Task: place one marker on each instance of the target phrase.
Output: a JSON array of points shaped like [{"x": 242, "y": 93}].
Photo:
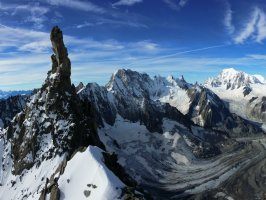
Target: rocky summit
[{"x": 55, "y": 109}]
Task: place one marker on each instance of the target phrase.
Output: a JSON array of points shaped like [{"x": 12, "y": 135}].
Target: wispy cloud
[
  {"x": 33, "y": 12},
  {"x": 257, "y": 56},
  {"x": 17, "y": 38},
  {"x": 26, "y": 40},
  {"x": 78, "y": 5},
  {"x": 261, "y": 27},
  {"x": 176, "y": 5},
  {"x": 146, "y": 46},
  {"x": 113, "y": 22},
  {"x": 228, "y": 18},
  {"x": 26, "y": 53},
  {"x": 126, "y": 2},
  {"x": 173, "y": 55},
  {"x": 254, "y": 28}
]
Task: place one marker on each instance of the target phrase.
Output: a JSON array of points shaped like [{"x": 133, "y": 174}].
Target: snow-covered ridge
[
  {"x": 138, "y": 97},
  {"x": 87, "y": 177},
  {"x": 140, "y": 85},
  {"x": 244, "y": 93},
  {"x": 233, "y": 79}
]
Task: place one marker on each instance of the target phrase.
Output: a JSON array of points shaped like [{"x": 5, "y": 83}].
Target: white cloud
[
  {"x": 258, "y": 56},
  {"x": 25, "y": 56},
  {"x": 261, "y": 27},
  {"x": 33, "y": 12},
  {"x": 147, "y": 46},
  {"x": 77, "y": 4},
  {"x": 126, "y": 2},
  {"x": 228, "y": 19},
  {"x": 18, "y": 37},
  {"x": 255, "y": 27},
  {"x": 176, "y": 4},
  {"x": 114, "y": 22},
  {"x": 182, "y": 3},
  {"x": 26, "y": 66},
  {"x": 25, "y": 40}
]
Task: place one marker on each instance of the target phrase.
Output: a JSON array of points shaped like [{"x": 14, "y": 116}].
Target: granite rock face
[
  {"x": 209, "y": 111},
  {"x": 55, "y": 111},
  {"x": 128, "y": 95},
  {"x": 257, "y": 108}
]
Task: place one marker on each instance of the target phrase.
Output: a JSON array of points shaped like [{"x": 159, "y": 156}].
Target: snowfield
[{"x": 87, "y": 177}]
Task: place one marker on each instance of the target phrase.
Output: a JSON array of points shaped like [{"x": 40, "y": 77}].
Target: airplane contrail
[{"x": 178, "y": 53}]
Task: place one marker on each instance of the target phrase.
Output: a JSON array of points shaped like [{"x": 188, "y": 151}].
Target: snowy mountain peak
[
  {"x": 127, "y": 75},
  {"x": 129, "y": 82},
  {"x": 260, "y": 77},
  {"x": 230, "y": 71},
  {"x": 172, "y": 79},
  {"x": 233, "y": 79}
]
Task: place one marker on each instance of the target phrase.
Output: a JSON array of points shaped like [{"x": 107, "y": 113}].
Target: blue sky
[{"x": 180, "y": 37}]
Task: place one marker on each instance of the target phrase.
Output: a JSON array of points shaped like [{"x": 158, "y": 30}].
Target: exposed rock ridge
[
  {"x": 129, "y": 94},
  {"x": 61, "y": 65},
  {"x": 54, "y": 111},
  {"x": 137, "y": 97}
]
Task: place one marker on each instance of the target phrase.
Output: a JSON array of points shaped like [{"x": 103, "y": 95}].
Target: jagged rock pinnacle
[
  {"x": 58, "y": 45},
  {"x": 53, "y": 110},
  {"x": 60, "y": 60},
  {"x": 59, "y": 77}
]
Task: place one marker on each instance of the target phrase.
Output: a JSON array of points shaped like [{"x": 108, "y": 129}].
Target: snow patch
[{"x": 87, "y": 177}]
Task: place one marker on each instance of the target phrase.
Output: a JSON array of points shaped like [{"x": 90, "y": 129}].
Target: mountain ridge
[
  {"x": 176, "y": 140},
  {"x": 233, "y": 79},
  {"x": 248, "y": 100}
]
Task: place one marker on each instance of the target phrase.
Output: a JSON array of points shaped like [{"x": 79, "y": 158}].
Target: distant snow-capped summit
[
  {"x": 244, "y": 93},
  {"x": 139, "y": 84},
  {"x": 233, "y": 79}
]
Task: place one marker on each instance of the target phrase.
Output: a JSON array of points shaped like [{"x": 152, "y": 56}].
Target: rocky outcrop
[
  {"x": 257, "y": 109},
  {"x": 101, "y": 101},
  {"x": 209, "y": 111},
  {"x": 54, "y": 110},
  {"x": 79, "y": 87}
]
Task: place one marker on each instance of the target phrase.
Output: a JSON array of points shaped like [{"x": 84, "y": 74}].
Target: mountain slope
[
  {"x": 100, "y": 183},
  {"x": 167, "y": 153},
  {"x": 244, "y": 93},
  {"x": 137, "y": 97},
  {"x": 38, "y": 146}
]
